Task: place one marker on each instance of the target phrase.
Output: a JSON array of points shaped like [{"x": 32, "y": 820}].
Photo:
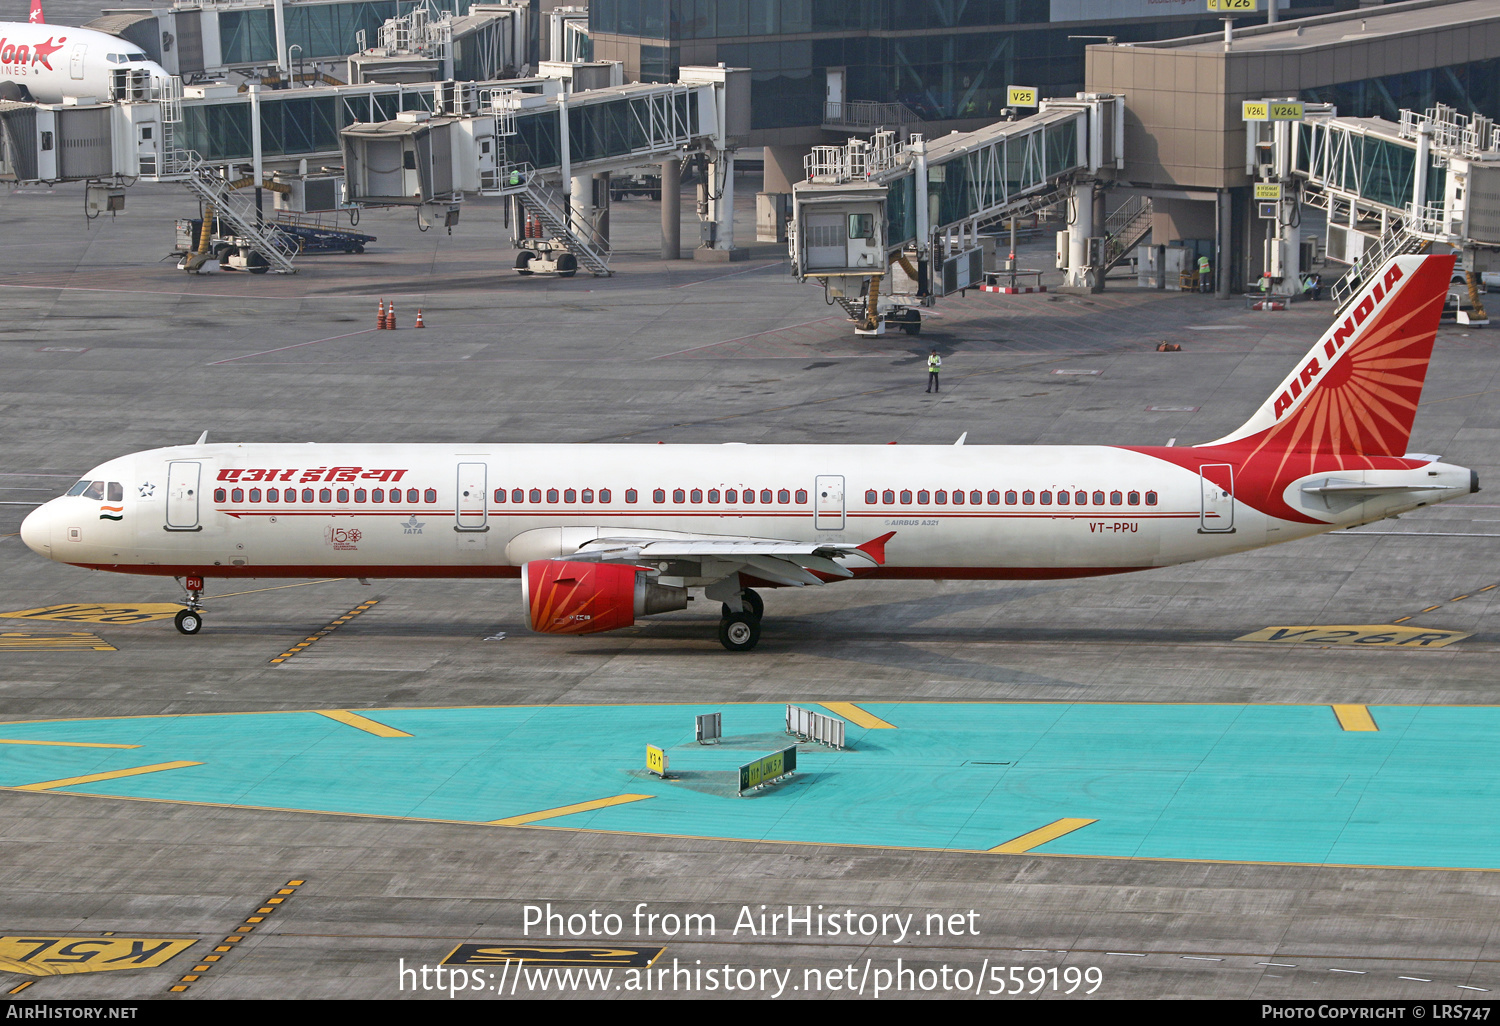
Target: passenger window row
[
  {"x": 993, "y": 497},
  {"x": 714, "y": 496},
  {"x": 326, "y": 495}
]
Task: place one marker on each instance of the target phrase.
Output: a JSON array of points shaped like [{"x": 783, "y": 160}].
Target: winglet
[
  {"x": 875, "y": 547},
  {"x": 202, "y": 438},
  {"x": 961, "y": 438}
]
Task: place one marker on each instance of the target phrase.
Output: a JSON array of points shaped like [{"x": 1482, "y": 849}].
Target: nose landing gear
[
  {"x": 190, "y": 620},
  {"x": 740, "y": 631}
]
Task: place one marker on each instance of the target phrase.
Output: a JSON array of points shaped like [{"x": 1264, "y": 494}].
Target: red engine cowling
[{"x": 587, "y": 598}]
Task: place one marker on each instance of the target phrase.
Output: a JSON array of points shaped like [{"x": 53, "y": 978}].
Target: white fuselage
[
  {"x": 54, "y": 61},
  {"x": 205, "y": 509}
]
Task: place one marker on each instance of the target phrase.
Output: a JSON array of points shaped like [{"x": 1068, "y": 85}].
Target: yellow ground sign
[
  {"x": 1358, "y": 634},
  {"x": 84, "y": 612},
  {"x": 656, "y": 760},
  {"x": 30, "y": 641},
  {"x": 1234, "y": 6},
  {"x": 1020, "y": 96},
  {"x": 35, "y": 955}
]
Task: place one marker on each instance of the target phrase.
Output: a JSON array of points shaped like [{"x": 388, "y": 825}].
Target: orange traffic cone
[
  {"x": 380, "y": 317},
  {"x": 390, "y": 316},
  {"x": 419, "y": 323}
]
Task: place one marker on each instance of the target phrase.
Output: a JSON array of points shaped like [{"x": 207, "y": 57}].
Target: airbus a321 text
[{"x": 600, "y": 535}]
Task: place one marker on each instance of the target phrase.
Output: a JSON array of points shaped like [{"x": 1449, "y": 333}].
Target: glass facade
[
  {"x": 322, "y": 30},
  {"x": 1376, "y": 169},
  {"x": 1466, "y": 87},
  {"x": 943, "y": 58},
  {"x": 293, "y": 126}
]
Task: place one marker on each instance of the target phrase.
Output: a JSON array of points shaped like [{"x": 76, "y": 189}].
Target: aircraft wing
[{"x": 777, "y": 561}]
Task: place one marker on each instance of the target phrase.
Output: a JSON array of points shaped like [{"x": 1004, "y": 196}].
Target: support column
[
  {"x": 671, "y": 210},
  {"x": 724, "y": 215},
  {"x": 720, "y": 210},
  {"x": 1223, "y": 209},
  {"x": 601, "y": 205},
  {"x": 256, "y": 166},
  {"x": 581, "y": 199},
  {"x": 1079, "y": 232}
]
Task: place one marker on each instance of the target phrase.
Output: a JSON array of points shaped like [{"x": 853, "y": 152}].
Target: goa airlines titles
[{"x": 600, "y": 535}]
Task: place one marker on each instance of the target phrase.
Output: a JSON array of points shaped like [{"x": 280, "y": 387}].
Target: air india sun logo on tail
[{"x": 1357, "y": 392}]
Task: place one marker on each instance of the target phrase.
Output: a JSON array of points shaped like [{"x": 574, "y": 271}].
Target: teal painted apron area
[{"x": 1243, "y": 783}]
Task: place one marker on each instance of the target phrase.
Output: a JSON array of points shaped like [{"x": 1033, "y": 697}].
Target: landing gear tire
[
  {"x": 739, "y": 632},
  {"x": 754, "y": 605},
  {"x": 188, "y": 621},
  {"x": 523, "y": 262}
]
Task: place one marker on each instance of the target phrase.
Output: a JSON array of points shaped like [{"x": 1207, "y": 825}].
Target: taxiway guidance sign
[
  {"x": 1020, "y": 96},
  {"x": 36, "y": 955},
  {"x": 1357, "y": 634}
]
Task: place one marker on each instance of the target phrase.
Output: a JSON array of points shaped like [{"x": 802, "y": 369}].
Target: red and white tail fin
[
  {"x": 1356, "y": 391},
  {"x": 37, "y": 17}
]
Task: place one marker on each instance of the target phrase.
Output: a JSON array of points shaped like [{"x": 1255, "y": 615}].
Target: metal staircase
[
  {"x": 236, "y": 210},
  {"x": 1125, "y": 229},
  {"x": 1396, "y": 241},
  {"x": 580, "y": 237}
]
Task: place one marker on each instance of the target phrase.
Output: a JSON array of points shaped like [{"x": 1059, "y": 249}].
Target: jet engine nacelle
[{"x": 587, "y": 598}]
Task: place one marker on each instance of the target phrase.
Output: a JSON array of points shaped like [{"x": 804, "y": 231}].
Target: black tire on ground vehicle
[
  {"x": 567, "y": 265},
  {"x": 359, "y": 247},
  {"x": 221, "y": 253},
  {"x": 523, "y": 262},
  {"x": 256, "y": 264}
]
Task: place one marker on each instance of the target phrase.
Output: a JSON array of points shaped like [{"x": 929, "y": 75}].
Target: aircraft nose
[{"x": 36, "y": 530}]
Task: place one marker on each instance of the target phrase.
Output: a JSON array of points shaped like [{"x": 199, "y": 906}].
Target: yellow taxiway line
[
  {"x": 90, "y": 778},
  {"x": 857, "y": 716},
  {"x": 1040, "y": 836},
  {"x": 568, "y": 810},
  {"x": 359, "y": 722},
  {"x": 1355, "y": 717}
]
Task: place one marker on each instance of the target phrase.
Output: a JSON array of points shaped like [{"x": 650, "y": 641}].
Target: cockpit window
[
  {"x": 136, "y": 57},
  {"x": 116, "y": 492},
  {"x": 95, "y": 490},
  {"x": 79, "y": 488}
]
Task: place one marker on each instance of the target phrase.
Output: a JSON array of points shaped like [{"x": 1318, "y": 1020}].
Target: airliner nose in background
[
  {"x": 43, "y": 63},
  {"x": 602, "y": 534}
]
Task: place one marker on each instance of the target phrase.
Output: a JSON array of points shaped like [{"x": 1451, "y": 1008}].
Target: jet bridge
[
  {"x": 1387, "y": 188},
  {"x": 551, "y": 156},
  {"x": 887, "y": 224}
]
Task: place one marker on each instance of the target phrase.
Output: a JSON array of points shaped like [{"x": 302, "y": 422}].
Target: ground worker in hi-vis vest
[
  {"x": 934, "y": 364},
  {"x": 1205, "y": 275}
]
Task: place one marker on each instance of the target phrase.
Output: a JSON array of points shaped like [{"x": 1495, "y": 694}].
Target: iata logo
[
  {"x": 1341, "y": 336},
  {"x": 343, "y": 538},
  {"x": 29, "y": 56},
  {"x": 413, "y": 526}
]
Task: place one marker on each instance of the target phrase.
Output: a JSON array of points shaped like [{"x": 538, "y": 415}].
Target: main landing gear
[
  {"x": 190, "y": 620},
  {"x": 740, "y": 631}
]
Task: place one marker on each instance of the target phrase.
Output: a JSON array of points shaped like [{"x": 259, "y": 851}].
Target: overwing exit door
[
  {"x": 472, "y": 509},
  {"x": 1216, "y": 514},
  {"x": 828, "y": 502}
]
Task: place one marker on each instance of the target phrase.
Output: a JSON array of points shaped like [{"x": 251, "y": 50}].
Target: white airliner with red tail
[
  {"x": 602, "y": 534},
  {"x": 43, "y": 63}
]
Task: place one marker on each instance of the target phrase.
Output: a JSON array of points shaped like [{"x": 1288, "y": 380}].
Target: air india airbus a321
[{"x": 602, "y": 534}]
